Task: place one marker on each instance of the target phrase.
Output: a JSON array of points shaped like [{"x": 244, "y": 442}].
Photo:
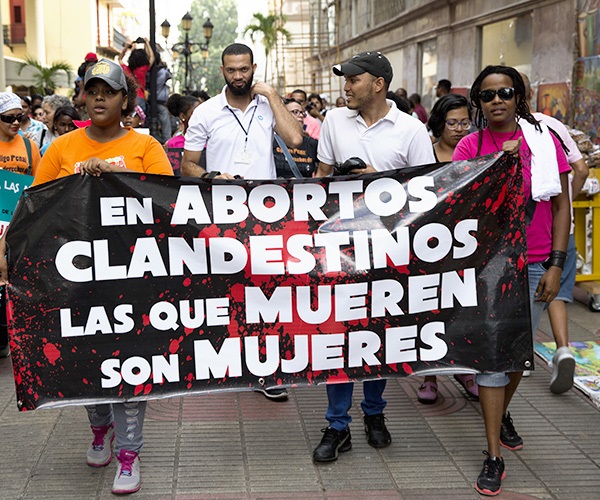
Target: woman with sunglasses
[
  {"x": 505, "y": 123},
  {"x": 449, "y": 122},
  {"x": 105, "y": 146},
  {"x": 14, "y": 156},
  {"x": 20, "y": 155}
]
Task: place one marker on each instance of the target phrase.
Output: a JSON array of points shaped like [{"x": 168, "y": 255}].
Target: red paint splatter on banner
[
  {"x": 52, "y": 353},
  {"x": 174, "y": 346},
  {"x": 407, "y": 368}
]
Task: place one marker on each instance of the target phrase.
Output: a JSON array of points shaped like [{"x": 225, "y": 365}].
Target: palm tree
[
  {"x": 44, "y": 77},
  {"x": 269, "y": 27}
]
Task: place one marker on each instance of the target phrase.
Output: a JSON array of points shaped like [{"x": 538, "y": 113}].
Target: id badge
[{"x": 243, "y": 157}]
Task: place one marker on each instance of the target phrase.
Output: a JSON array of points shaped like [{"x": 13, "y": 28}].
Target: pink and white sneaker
[
  {"x": 99, "y": 454},
  {"x": 127, "y": 479}
]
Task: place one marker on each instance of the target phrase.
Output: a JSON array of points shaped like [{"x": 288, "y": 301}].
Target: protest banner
[
  {"x": 11, "y": 187},
  {"x": 132, "y": 286}
]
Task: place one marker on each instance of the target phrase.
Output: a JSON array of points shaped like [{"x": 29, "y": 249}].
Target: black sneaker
[
  {"x": 274, "y": 393},
  {"x": 4, "y": 351},
  {"x": 377, "y": 433},
  {"x": 332, "y": 442},
  {"x": 489, "y": 481},
  {"x": 508, "y": 435}
]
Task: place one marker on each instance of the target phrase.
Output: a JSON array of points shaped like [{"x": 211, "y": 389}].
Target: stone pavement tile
[
  {"x": 209, "y": 496},
  {"x": 366, "y": 495},
  {"x": 12, "y": 486},
  {"x": 287, "y": 495},
  {"x": 355, "y": 471},
  {"x": 426, "y": 474},
  {"x": 205, "y": 479},
  {"x": 426, "y": 494}
]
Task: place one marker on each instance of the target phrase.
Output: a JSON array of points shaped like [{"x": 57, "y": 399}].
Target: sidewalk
[{"x": 241, "y": 446}]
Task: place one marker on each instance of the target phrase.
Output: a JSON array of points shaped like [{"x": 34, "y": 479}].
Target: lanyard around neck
[{"x": 246, "y": 132}]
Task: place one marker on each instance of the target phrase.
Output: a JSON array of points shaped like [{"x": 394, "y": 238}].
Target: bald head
[{"x": 528, "y": 91}]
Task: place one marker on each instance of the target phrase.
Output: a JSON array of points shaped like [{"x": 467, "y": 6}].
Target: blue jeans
[
  {"x": 340, "y": 401},
  {"x": 567, "y": 278},
  {"x": 535, "y": 271}
]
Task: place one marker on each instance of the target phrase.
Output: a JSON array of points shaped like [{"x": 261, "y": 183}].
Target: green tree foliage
[
  {"x": 45, "y": 76},
  {"x": 269, "y": 28},
  {"x": 223, "y": 15}
]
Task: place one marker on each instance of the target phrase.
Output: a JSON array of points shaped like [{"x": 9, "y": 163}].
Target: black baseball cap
[{"x": 374, "y": 63}]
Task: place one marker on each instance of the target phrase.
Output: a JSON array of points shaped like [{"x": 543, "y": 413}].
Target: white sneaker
[
  {"x": 563, "y": 368},
  {"x": 526, "y": 373},
  {"x": 99, "y": 453},
  {"x": 127, "y": 479}
]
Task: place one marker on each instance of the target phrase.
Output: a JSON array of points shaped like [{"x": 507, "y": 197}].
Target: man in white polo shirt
[
  {"x": 236, "y": 127},
  {"x": 373, "y": 129}
]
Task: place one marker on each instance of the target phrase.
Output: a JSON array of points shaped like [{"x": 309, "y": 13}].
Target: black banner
[{"x": 137, "y": 286}]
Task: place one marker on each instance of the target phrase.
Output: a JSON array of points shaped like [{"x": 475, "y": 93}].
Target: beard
[{"x": 245, "y": 89}]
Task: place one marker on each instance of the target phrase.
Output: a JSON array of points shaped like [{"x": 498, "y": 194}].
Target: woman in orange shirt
[
  {"x": 105, "y": 146},
  {"x": 18, "y": 155}
]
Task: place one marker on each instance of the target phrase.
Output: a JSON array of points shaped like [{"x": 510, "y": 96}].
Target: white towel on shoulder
[{"x": 545, "y": 177}]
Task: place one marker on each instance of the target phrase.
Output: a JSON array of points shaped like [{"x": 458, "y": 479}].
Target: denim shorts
[
  {"x": 567, "y": 279},
  {"x": 500, "y": 379}
]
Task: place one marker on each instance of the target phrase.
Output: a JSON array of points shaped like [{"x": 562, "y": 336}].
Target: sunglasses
[
  {"x": 505, "y": 93},
  {"x": 12, "y": 118}
]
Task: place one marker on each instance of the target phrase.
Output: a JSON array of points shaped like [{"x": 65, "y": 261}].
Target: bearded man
[{"x": 237, "y": 126}]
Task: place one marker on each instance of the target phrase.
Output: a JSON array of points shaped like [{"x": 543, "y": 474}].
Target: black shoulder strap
[
  {"x": 288, "y": 157},
  {"x": 28, "y": 148},
  {"x": 564, "y": 146},
  {"x": 479, "y": 141}
]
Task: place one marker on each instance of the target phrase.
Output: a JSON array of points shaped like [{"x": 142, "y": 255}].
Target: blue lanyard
[{"x": 246, "y": 132}]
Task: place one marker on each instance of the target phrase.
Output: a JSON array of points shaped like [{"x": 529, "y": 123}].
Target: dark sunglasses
[
  {"x": 505, "y": 93},
  {"x": 12, "y": 118}
]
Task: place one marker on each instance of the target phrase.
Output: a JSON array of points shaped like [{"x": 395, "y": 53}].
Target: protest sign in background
[
  {"x": 11, "y": 187},
  {"x": 138, "y": 286}
]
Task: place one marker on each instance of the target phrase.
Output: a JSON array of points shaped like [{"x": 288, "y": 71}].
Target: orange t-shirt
[
  {"x": 13, "y": 156},
  {"x": 138, "y": 152}
]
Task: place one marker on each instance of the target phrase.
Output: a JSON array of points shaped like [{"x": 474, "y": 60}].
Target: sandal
[
  {"x": 427, "y": 393},
  {"x": 469, "y": 385}
]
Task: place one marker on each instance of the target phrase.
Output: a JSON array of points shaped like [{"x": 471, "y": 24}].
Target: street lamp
[{"x": 187, "y": 47}]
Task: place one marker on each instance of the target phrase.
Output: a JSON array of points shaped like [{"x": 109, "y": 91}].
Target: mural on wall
[
  {"x": 587, "y": 27},
  {"x": 586, "y": 112},
  {"x": 553, "y": 100}
]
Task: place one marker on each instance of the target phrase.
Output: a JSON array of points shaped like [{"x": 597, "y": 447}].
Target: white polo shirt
[
  {"x": 396, "y": 141},
  {"x": 237, "y": 142}
]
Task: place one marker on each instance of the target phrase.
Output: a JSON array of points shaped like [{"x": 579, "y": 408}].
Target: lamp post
[
  {"x": 187, "y": 47},
  {"x": 152, "y": 105}
]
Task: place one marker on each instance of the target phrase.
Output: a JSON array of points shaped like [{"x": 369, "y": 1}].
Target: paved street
[{"x": 241, "y": 446}]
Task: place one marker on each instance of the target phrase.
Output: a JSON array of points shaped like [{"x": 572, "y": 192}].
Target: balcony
[{"x": 13, "y": 34}]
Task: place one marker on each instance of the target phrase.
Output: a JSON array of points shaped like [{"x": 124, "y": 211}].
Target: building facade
[
  {"x": 56, "y": 30},
  {"x": 427, "y": 40}
]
